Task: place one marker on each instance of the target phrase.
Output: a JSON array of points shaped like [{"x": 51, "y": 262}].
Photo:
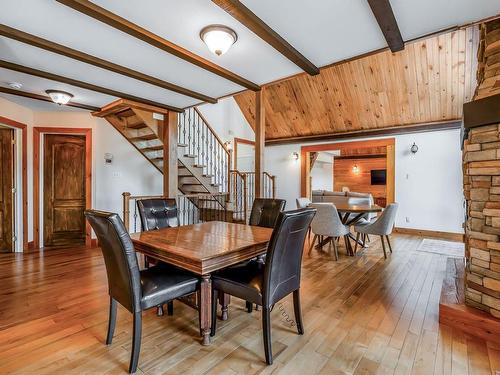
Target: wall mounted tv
[{"x": 378, "y": 176}]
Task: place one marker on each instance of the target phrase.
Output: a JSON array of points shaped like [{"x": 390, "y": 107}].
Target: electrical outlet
[{"x": 407, "y": 219}]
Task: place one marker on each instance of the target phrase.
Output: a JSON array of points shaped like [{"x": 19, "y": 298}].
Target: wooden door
[
  {"x": 6, "y": 186},
  {"x": 63, "y": 190}
]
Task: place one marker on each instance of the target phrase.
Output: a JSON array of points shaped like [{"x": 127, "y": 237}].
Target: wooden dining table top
[
  {"x": 205, "y": 247},
  {"x": 358, "y": 208}
]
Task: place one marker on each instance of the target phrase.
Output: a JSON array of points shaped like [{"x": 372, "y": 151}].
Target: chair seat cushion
[
  {"x": 243, "y": 280},
  {"x": 163, "y": 283}
]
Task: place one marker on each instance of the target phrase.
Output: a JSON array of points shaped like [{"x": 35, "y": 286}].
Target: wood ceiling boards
[{"x": 427, "y": 82}]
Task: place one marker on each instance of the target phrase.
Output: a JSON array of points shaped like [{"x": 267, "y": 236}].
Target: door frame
[
  {"x": 389, "y": 143},
  {"x": 37, "y": 133},
  {"x": 24, "y": 174},
  {"x": 240, "y": 141}
]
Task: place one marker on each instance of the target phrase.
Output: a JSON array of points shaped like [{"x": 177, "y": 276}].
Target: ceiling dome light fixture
[
  {"x": 218, "y": 38},
  {"x": 59, "y": 97}
]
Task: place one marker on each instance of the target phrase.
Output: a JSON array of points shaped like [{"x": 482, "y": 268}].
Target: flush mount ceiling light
[
  {"x": 15, "y": 85},
  {"x": 218, "y": 38},
  {"x": 59, "y": 97}
]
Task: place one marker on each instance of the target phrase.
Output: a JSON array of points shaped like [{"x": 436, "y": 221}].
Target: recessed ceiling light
[
  {"x": 15, "y": 85},
  {"x": 59, "y": 97},
  {"x": 218, "y": 38}
]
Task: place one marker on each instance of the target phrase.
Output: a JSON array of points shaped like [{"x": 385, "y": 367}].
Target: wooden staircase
[{"x": 139, "y": 126}]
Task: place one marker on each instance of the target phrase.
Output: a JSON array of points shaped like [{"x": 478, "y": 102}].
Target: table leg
[
  {"x": 224, "y": 300},
  {"x": 205, "y": 308}
]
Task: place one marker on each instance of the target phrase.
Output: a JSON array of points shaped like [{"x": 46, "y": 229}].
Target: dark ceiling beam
[
  {"x": 246, "y": 17},
  {"x": 384, "y": 15},
  {"x": 81, "y": 84},
  {"x": 100, "y": 14},
  {"x": 47, "y": 45},
  {"x": 44, "y": 98}
]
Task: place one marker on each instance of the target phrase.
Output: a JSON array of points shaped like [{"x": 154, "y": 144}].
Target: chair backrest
[
  {"x": 265, "y": 212},
  {"x": 284, "y": 254},
  {"x": 119, "y": 257},
  {"x": 327, "y": 221},
  {"x": 385, "y": 223},
  {"x": 157, "y": 213},
  {"x": 303, "y": 202}
]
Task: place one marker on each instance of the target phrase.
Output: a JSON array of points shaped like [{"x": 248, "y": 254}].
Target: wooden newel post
[
  {"x": 126, "y": 209},
  {"x": 260, "y": 129},
  {"x": 170, "y": 169}
]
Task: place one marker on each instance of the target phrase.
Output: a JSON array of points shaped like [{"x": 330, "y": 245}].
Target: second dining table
[{"x": 202, "y": 249}]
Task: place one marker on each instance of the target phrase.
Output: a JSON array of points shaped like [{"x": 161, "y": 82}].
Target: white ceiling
[{"x": 324, "y": 31}]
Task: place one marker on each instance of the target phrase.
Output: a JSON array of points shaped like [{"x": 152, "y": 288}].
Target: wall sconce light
[
  {"x": 108, "y": 158},
  {"x": 414, "y": 148},
  {"x": 355, "y": 169},
  {"x": 228, "y": 145},
  {"x": 295, "y": 156}
]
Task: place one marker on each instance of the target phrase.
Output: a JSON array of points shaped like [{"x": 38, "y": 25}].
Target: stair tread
[
  {"x": 189, "y": 155},
  {"x": 145, "y": 137},
  {"x": 182, "y": 144},
  {"x": 152, "y": 148}
]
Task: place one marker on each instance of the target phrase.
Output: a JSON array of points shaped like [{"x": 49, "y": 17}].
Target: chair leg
[
  {"x": 170, "y": 308},
  {"x": 159, "y": 310},
  {"x": 249, "y": 306},
  {"x": 136, "y": 342},
  {"x": 368, "y": 238},
  {"x": 297, "y": 311},
  {"x": 335, "y": 249},
  {"x": 383, "y": 246},
  {"x": 357, "y": 239},
  {"x": 111, "y": 321},
  {"x": 266, "y": 328},
  {"x": 348, "y": 245},
  {"x": 389, "y": 243},
  {"x": 309, "y": 235},
  {"x": 364, "y": 240},
  {"x": 213, "y": 328},
  {"x": 312, "y": 244}
]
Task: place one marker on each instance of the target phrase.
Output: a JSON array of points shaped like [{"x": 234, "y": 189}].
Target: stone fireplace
[{"x": 481, "y": 161}]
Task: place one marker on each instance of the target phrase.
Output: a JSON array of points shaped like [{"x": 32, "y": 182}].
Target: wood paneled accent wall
[
  {"x": 343, "y": 175},
  {"x": 488, "y": 73},
  {"x": 426, "y": 82}
]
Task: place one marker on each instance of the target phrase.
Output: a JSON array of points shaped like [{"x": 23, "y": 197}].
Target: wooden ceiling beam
[
  {"x": 384, "y": 15},
  {"x": 395, "y": 130},
  {"x": 47, "y": 45},
  {"x": 109, "y": 18},
  {"x": 246, "y": 17},
  {"x": 44, "y": 98},
  {"x": 81, "y": 84}
]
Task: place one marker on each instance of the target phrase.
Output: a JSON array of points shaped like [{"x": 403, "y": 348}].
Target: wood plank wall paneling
[
  {"x": 428, "y": 81},
  {"x": 343, "y": 175},
  {"x": 488, "y": 73}
]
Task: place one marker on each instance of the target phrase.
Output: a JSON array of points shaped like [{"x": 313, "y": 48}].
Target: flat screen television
[{"x": 378, "y": 176}]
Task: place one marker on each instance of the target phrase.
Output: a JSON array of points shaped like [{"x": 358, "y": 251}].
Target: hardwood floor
[{"x": 362, "y": 315}]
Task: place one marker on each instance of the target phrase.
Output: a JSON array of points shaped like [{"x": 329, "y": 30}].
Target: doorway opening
[
  {"x": 359, "y": 167},
  {"x": 62, "y": 186},
  {"x": 13, "y": 186}
]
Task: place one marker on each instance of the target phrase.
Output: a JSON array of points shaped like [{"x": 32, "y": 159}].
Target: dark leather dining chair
[
  {"x": 132, "y": 288},
  {"x": 158, "y": 213},
  {"x": 265, "y": 212},
  {"x": 267, "y": 283}
]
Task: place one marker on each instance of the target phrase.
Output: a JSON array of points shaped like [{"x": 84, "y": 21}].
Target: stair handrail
[{"x": 205, "y": 144}]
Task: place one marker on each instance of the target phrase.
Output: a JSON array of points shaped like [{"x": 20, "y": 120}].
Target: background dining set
[{"x": 211, "y": 261}]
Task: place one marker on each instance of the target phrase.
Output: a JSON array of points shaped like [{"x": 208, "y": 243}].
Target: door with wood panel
[
  {"x": 6, "y": 189},
  {"x": 63, "y": 190}
]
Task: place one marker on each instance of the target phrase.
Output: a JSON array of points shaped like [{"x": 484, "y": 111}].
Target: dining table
[
  {"x": 351, "y": 214},
  {"x": 202, "y": 249}
]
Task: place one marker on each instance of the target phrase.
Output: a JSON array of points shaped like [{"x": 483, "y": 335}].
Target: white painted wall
[
  {"x": 431, "y": 197},
  {"x": 227, "y": 120},
  {"x": 322, "y": 176}
]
